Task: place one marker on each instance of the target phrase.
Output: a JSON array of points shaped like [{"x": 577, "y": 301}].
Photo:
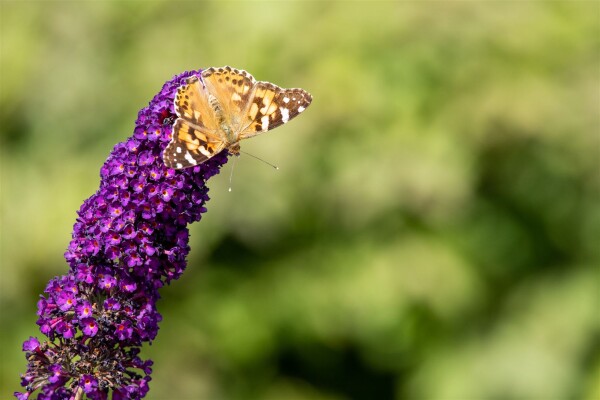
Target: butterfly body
[{"x": 223, "y": 106}]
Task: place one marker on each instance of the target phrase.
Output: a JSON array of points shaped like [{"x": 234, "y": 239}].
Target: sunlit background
[{"x": 433, "y": 231}]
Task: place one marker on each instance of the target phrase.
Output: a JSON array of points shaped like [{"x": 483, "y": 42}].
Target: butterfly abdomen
[
  {"x": 221, "y": 120},
  {"x": 214, "y": 103}
]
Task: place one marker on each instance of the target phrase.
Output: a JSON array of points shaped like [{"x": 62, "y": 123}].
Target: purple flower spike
[{"x": 129, "y": 240}]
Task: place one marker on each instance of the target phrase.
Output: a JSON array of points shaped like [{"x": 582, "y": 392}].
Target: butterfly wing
[
  {"x": 195, "y": 136},
  {"x": 190, "y": 146},
  {"x": 192, "y": 105},
  {"x": 232, "y": 89},
  {"x": 271, "y": 106}
]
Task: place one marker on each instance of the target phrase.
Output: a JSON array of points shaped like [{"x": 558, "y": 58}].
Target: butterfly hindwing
[
  {"x": 272, "y": 106},
  {"x": 190, "y": 146}
]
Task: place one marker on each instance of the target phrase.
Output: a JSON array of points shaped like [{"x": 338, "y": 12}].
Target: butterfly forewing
[
  {"x": 272, "y": 106},
  {"x": 191, "y": 104},
  {"x": 195, "y": 136},
  {"x": 232, "y": 89}
]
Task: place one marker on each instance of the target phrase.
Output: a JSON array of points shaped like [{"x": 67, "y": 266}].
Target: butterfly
[{"x": 222, "y": 106}]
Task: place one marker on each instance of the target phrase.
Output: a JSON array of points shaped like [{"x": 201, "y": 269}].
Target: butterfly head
[{"x": 234, "y": 149}]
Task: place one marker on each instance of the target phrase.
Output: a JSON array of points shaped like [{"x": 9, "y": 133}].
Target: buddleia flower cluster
[{"x": 129, "y": 240}]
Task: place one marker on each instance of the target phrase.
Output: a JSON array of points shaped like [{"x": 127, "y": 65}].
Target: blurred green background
[{"x": 432, "y": 233}]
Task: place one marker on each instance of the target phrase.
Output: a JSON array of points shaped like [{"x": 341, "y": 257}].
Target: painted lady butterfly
[{"x": 223, "y": 106}]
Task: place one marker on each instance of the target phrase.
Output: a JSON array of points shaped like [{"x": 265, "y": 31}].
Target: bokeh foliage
[{"x": 432, "y": 232}]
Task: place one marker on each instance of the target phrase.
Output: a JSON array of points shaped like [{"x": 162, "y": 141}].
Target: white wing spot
[
  {"x": 190, "y": 159},
  {"x": 203, "y": 150},
  {"x": 286, "y": 99},
  {"x": 300, "y": 109},
  {"x": 178, "y": 150},
  {"x": 285, "y": 114},
  {"x": 179, "y": 165},
  {"x": 236, "y": 97},
  {"x": 265, "y": 122}
]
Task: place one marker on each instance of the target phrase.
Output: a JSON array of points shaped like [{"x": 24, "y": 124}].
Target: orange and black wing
[
  {"x": 231, "y": 89},
  {"x": 272, "y": 106},
  {"x": 195, "y": 137},
  {"x": 190, "y": 146}
]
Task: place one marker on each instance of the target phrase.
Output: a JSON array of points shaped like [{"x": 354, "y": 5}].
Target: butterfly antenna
[
  {"x": 260, "y": 159},
  {"x": 231, "y": 175}
]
